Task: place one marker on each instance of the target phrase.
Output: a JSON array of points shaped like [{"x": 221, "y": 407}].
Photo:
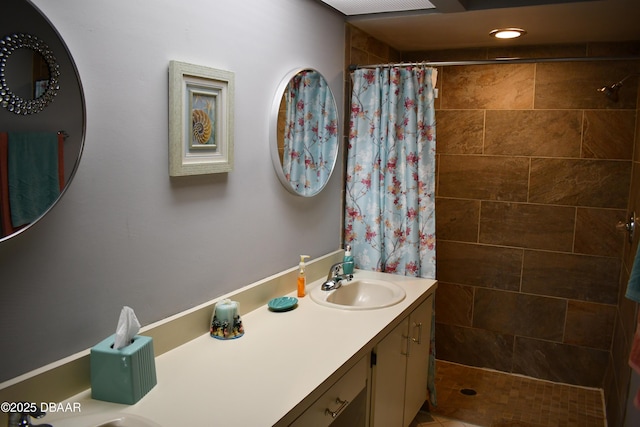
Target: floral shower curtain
[
  {"x": 390, "y": 200},
  {"x": 390, "y": 188},
  {"x": 311, "y": 132}
]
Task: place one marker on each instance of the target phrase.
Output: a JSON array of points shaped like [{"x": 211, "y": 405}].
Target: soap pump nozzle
[{"x": 302, "y": 259}]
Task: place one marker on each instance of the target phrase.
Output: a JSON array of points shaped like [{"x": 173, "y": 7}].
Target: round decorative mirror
[
  {"x": 26, "y": 52},
  {"x": 304, "y": 132},
  {"x": 42, "y": 124}
]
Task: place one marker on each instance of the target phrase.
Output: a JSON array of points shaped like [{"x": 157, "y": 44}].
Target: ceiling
[{"x": 455, "y": 24}]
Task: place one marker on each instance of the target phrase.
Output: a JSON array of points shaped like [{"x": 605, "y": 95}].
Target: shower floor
[{"x": 506, "y": 400}]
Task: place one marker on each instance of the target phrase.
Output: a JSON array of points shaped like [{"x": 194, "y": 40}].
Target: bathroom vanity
[{"x": 301, "y": 367}]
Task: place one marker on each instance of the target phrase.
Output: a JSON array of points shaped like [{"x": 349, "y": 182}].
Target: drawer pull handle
[
  {"x": 419, "y": 326},
  {"x": 335, "y": 413},
  {"x": 408, "y": 346}
]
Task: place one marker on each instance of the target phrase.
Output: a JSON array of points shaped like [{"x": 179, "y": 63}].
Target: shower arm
[
  {"x": 619, "y": 83},
  {"x": 626, "y": 77}
]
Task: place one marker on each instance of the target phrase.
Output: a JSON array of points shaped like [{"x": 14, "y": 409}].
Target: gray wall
[{"x": 127, "y": 234}]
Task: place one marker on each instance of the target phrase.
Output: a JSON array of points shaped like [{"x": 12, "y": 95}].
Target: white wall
[{"x": 127, "y": 234}]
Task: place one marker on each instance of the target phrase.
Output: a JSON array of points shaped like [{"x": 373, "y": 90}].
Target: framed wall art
[{"x": 200, "y": 119}]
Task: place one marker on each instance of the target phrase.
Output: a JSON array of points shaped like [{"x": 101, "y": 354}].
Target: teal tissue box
[{"x": 125, "y": 375}]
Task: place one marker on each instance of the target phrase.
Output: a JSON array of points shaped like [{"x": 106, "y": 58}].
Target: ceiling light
[
  {"x": 507, "y": 33},
  {"x": 364, "y": 7}
]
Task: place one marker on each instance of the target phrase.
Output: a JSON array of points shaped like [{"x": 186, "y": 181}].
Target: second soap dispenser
[
  {"x": 347, "y": 267},
  {"x": 302, "y": 277}
]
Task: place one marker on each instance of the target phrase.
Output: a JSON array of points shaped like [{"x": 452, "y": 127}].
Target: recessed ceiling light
[
  {"x": 507, "y": 33},
  {"x": 363, "y": 7}
]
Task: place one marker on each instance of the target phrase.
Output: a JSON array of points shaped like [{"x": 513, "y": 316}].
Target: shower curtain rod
[{"x": 354, "y": 67}]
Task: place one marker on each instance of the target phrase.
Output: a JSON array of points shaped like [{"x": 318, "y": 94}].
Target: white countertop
[{"x": 256, "y": 380}]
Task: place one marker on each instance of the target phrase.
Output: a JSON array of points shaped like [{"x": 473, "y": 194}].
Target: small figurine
[{"x": 238, "y": 329}]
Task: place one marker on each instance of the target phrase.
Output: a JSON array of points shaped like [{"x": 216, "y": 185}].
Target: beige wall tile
[
  {"x": 595, "y": 183},
  {"x": 589, "y": 324},
  {"x": 527, "y": 226},
  {"x": 459, "y": 131},
  {"x": 479, "y": 265},
  {"x": 457, "y": 219},
  {"x": 446, "y": 55},
  {"x": 579, "y": 277},
  {"x": 549, "y": 51},
  {"x": 559, "y": 362},
  {"x": 596, "y": 232},
  {"x": 609, "y": 134},
  {"x": 620, "y": 349},
  {"x": 359, "y": 39},
  {"x": 519, "y": 314},
  {"x": 454, "y": 303},
  {"x": 572, "y": 85},
  {"x": 358, "y": 56},
  {"x": 636, "y": 146},
  {"x": 612, "y": 400},
  {"x": 483, "y": 177},
  {"x": 475, "y": 347},
  {"x": 505, "y": 86},
  {"x": 627, "y": 309},
  {"x": 547, "y": 133}
]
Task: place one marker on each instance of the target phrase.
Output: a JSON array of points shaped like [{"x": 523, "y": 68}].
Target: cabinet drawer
[{"x": 336, "y": 399}]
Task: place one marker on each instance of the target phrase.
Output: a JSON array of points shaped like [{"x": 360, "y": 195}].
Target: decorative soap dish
[{"x": 283, "y": 303}]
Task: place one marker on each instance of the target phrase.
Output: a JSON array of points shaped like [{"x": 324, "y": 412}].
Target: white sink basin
[
  {"x": 104, "y": 420},
  {"x": 360, "y": 294}
]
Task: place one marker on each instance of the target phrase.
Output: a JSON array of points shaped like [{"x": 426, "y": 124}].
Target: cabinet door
[
  {"x": 388, "y": 384},
  {"x": 418, "y": 359}
]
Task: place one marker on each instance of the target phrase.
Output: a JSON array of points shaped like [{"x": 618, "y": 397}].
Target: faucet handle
[{"x": 23, "y": 418}]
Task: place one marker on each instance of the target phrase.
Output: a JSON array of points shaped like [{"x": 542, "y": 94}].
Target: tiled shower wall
[
  {"x": 534, "y": 173},
  {"x": 534, "y": 169},
  {"x": 616, "y": 382}
]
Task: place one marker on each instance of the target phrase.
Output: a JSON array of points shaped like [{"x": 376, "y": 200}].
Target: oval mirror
[
  {"x": 304, "y": 132},
  {"x": 42, "y": 124}
]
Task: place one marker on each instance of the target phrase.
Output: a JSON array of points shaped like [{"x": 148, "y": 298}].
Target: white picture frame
[{"x": 201, "y": 107}]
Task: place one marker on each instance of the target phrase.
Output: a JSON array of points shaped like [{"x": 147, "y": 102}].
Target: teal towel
[
  {"x": 32, "y": 163},
  {"x": 633, "y": 287}
]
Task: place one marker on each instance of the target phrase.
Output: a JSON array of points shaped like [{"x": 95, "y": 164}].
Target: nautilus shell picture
[
  {"x": 203, "y": 126},
  {"x": 201, "y": 107}
]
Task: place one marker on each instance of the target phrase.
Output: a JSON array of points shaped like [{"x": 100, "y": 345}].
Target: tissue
[{"x": 128, "y": 327}]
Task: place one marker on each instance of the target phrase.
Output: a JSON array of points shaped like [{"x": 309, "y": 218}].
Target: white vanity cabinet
[
  {"x": 342, "y": 403},
  {"x": 323, "y": 359},
  {"x": 401, "y": 369}
]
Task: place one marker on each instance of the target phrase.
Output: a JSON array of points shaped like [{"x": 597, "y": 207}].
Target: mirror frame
[
  {"x": 10, "y": 100},
  {"x": 273, "y": 132}
]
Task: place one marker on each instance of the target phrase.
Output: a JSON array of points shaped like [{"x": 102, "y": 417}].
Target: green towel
[{"x": 32, "y": 162}]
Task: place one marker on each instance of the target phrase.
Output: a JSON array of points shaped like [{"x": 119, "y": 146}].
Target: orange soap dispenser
[{"x": 302, "y": 277}]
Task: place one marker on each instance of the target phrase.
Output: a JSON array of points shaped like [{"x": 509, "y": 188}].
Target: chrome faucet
[
  {"x": 23, "y": 418},
  {"x": 334, "y": 278}
]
